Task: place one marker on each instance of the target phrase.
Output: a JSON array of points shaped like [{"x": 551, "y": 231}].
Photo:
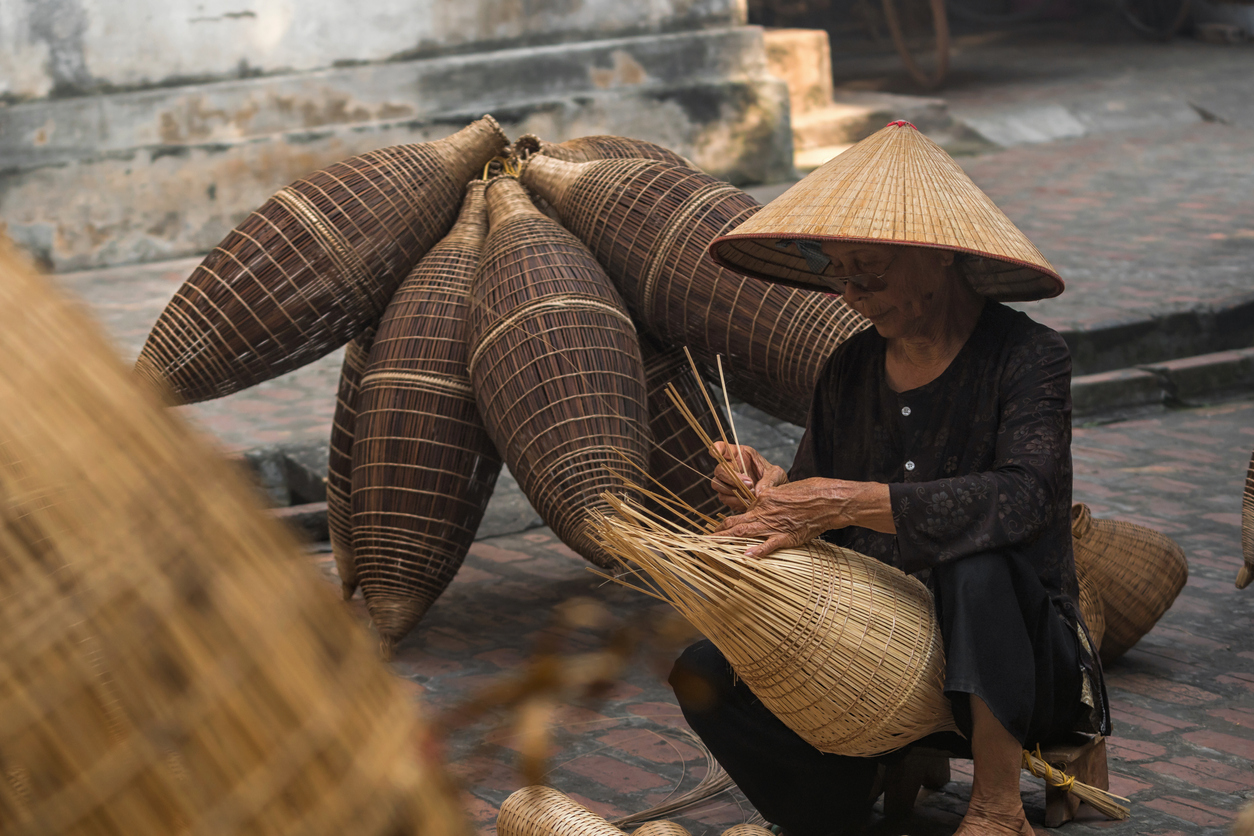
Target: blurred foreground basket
[{"x": 166, "y": 666}]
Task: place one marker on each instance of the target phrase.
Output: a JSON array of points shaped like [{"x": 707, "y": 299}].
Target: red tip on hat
[{"x": 900, "y": 123}]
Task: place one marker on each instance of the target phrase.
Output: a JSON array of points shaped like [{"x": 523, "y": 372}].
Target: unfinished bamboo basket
[
  {"x": 679, "y": 461},
  {"x": 423, "y": 464},
  {"x": 543, "y": 811},
  {"x": 340, "y": 461},
  {"x": 1091, "y": 608},
  {"x": 313, "y": 267},
  {"x": 556, "y": 366},
  {"x": 661, "y": 828},
  {"x": 584, "y": 149},
  {"x": 1246, "y": 573},
  {"x": 168, "y": 666},
  {"x": 842, "y": 648},
  {"x": 1137, "y": 571},
  {"x": 649, "y": 223}
]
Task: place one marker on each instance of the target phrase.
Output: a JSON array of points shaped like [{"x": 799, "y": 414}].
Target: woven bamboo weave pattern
[
  {"x": 894, "y": 187},
  {"x": 1246, "y": 573},
  {"x": 423, "y": 465},
  {"x": 1091, "y": 608},
  {"x": 747, "y": 830},
  {"x": 661, "y": 828},
  {"x": 556, "y": 366},
  {"x": 1137, "y": 571},
  {"x": 678, "y": 460},
  {"x": 313, "y": 267},
  {"x": 584, "y": 149},
  {"x": 649, "y": 223},
  {"x": 169, "y": 666},
  {"x": 543, "y": 811},
  {"x": 340, "y": 461},
  {"x": 842, "y": 648}
]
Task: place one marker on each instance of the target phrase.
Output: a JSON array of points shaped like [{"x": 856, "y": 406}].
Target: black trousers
[{"x": 1004, "y": 641}]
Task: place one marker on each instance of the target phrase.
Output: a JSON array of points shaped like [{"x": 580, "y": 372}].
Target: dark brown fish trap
[
  {"x": 1246, "y": 573},
  {"x": 340, "y": 461},
  {"x": 423, "y": 465},
  {"x": 1138, "y": 572},
  {"x": 313, "y": 267},
  {"x": 556, "y": 366},
  {"x": 583, "y": 149},
  {"x": 649, "y": 223},
  {"x": 169, "y": 664},
  {"x": 679, "y": 460}
]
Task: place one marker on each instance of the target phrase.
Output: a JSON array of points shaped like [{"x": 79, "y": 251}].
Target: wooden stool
[{"x": 1079, "y": 755}]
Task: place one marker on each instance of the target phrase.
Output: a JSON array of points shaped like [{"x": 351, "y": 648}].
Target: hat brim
[{"x": 997, "y": 277}]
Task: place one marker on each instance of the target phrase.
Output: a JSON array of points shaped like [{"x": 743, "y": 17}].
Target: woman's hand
[
  {"x": 758, "y": 474},
  {"x": 794, "y": 513}
]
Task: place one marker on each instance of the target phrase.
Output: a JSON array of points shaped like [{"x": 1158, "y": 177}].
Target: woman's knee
[{"x": 700, "y": 675}]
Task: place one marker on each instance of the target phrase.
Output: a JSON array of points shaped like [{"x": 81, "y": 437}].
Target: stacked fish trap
[
  {"x": 313, "y": 267},
  {"x": 1136, "y": 571},
  {"x": 843, "y": 648},
  {"x": 1246, "y": 573},
  {"x": 423, "y": 464},
  {"x": 649, "y": 223},
  {"x": 556, "y": 366},
  {"x": 169, "y": 667},
  {"x": 340, "y": 460},
  {"x": 585, "y": 149}
]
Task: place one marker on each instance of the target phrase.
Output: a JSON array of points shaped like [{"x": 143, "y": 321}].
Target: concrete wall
[{"x": 67, "y": 47}]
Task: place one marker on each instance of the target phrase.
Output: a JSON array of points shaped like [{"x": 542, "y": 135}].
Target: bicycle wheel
[
  {"x": 995, "y": 12},
  {"x": 920, "y": 30},
  {"x": 1158, "y": 19}
]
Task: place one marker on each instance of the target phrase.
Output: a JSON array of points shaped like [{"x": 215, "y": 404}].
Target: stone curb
[{"x": 1189, "y": 381}]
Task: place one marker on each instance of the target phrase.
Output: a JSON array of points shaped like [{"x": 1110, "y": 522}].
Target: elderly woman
[{"x": 939, "y": 442}]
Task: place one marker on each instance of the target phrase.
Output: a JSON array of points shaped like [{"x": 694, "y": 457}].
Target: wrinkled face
[{"x": 905, "y": 289}]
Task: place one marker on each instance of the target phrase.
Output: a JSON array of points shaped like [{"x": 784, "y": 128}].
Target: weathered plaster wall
[{"x": 67, "y": 47}]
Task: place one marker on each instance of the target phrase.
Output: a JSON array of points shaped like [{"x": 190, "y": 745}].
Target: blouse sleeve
[{"x": 948, "y": 519}]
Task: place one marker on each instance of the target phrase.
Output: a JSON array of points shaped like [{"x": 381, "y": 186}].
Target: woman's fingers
[{"x": 771, "y": 544}]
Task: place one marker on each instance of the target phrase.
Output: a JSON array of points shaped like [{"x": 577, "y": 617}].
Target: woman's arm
[{"x": 794, "y": 513}]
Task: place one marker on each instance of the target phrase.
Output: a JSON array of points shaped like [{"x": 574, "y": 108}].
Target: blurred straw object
[
  {"x": 1246, "y": 573},
  {"x": 167, "y": 665},
  {"x": 584, "y": 149},
  {"x": 313, "y": 267},
  {"x": 1138, "y": 572},
  {"x": 1244, "y": 824},
  {"x": 556, "y": 366},
  {"x": 649, "y": 223},
  {"x": 340, "y": 461},
  {"x": 543, "y": 811},
  {"x": 423, "y": 465}
]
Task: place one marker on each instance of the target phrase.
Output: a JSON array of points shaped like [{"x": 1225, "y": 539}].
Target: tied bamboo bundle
[
  {"x": 1137, "y": 571},
  {"x": 679, "y": 463},
  {"x": 583, "y": 149},
  {"x": 423, "y": 465},
  {"x": 842, "y": 648},
  {"x": 556, "y": 366},
  {"x": 1091, "y": 608},
  {"x": 168, "y": 667},
  {"x": 340, "y": 461},
  {"x": 311, "y": 268},
  {"x": 649, "y": 223},
  {"x": 1246, "y": 573},
  {"x": 543, "y": 811}
]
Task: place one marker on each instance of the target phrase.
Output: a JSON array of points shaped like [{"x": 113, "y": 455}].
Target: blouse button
[
  {"x": 905, "y": 410},
  {"x": 909, "y": 465}
]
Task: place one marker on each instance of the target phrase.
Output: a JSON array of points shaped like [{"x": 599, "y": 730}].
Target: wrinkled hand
[
  {"x": 793, "y": 514},
  {"x": 758, "y": 473}
]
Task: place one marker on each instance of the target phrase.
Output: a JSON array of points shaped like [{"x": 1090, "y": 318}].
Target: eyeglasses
[{"x": 866, "y": 282}]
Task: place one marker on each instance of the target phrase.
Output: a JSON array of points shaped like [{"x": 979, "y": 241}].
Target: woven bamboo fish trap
[
  {"x": 313, "y": 267},
  {"x": 1137, "y": 571},
  {"x": 842, "y": 648},
  {"x": 340, "y": 461},
  {"x": 543, "y": 811},
  {"x": 1091, "y": 608},
  {"x": 168, "y": 666},
  {"x": 747, "y": 830},
  {"x": 1246, "y": 572},
  {"x": 661, "y": 828},
  {"x": 679, "y": 461},
  {"x": 583, "y": 149},
  {"x": 556, "y": 366},
  {"x": 423, "y": 465},
  {"x": 649, "y": 223}
]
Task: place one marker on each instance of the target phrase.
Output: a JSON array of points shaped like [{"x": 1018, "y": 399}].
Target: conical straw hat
[{"x": 894, "y": 187}]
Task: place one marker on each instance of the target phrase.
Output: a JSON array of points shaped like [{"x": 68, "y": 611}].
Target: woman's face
[{"x": 911, "y": 294}]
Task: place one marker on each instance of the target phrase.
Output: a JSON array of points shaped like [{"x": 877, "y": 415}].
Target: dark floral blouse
[{"x": 977, "y": 460}]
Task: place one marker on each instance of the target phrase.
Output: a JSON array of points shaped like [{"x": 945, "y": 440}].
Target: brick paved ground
[{"x": 1183, "y": 749}]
